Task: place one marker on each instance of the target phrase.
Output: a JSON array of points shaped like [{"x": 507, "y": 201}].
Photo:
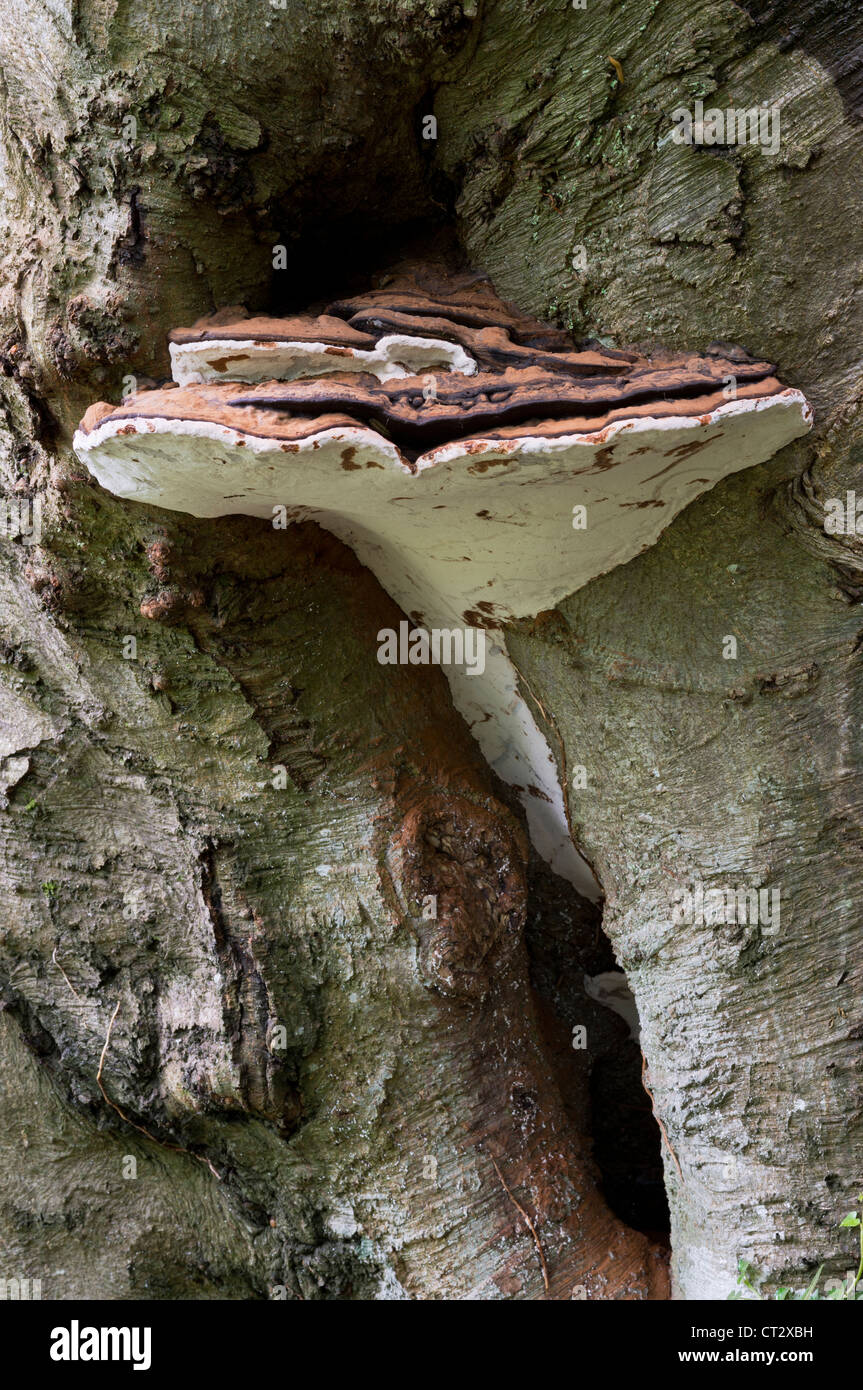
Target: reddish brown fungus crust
[
  {"x": 532, "y": 380},
  {"x": 305, "y": 328}
]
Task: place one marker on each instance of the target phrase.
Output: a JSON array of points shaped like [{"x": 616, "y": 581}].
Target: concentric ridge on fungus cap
[{"x": 448, "y": 439}]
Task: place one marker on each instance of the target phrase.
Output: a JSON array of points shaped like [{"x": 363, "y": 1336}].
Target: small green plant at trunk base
[{"x": 746, "y": 1274}]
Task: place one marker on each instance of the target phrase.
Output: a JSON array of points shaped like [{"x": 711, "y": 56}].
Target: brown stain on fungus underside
[
  {"x": 694, "y": 446},
  {"x": 474, "y": 618},
  {"x": 221, "y": 364}
]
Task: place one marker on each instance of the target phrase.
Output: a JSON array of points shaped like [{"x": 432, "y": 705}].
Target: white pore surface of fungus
[
  {"x": 237, "y": 359},
  {"x": 473, "y": 532}
]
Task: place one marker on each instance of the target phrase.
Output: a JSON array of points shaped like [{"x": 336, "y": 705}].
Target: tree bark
[
  {"x": 725, "y": 773},
  {"x": 218, "y": 840}
]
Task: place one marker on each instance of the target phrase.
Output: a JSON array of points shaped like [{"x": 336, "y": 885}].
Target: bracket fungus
[{"x": 450, "y": 442}]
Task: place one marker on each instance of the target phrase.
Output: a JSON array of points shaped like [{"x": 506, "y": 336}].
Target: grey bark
[
  {"x": 148, "y": 862},
  {"x": 741, "y": 773}
]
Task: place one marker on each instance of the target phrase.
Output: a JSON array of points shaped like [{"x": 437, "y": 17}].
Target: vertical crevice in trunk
[{"x": 600, "y": 1072}]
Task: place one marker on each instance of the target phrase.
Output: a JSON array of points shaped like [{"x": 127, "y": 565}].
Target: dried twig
[
  {"x": 663, "y": 1131},
  {"x": 530, "y": 1225},
  {"x": 63, "y": 973},
  {"x": 175, "y": 1148}
]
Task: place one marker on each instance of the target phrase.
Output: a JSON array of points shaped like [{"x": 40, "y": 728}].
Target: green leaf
[
  {"x": 851, "y": 1219},
  {"x": 816, "y": 1276}
]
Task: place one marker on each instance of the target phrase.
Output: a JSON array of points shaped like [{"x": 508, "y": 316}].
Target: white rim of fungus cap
[
  {"x": 453, "y": 532},
  {"x": 393, "y": 356}
]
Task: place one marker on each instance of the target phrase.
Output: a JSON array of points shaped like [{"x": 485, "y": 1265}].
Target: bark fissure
[{"x": 144, "y": 187}]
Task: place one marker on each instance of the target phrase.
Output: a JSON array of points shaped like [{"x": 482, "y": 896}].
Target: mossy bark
[
  {"x": 153, "y": 158},
  {"x": 742, "y": 772}
]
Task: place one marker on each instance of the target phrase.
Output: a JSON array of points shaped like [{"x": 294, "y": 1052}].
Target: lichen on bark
[{"x": 153, "y": 159}]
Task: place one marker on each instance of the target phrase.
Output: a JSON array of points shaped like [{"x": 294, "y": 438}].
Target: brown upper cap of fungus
[
  {"x": 301, "y": 329},
  {"x": 493, "y": 347},
  {"x": 533, "y": 397},
  {"x": 216, "y": 405},
  {"x": 467, "y": 299},
  {"x": 445, "y": 437}
]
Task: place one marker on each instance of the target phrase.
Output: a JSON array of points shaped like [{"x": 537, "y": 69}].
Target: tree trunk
[{"x": 270, "y": 1024}]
